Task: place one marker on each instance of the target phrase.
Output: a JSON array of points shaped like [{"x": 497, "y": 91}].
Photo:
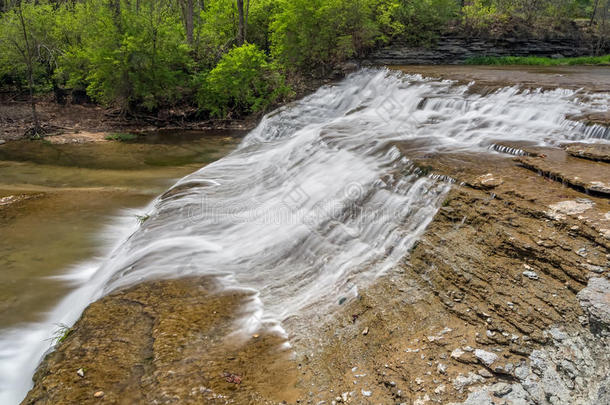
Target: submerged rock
[{"x": 163, "y": 340}]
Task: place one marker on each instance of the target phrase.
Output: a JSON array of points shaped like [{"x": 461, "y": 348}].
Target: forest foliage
[{"x": 229, "y": 57}]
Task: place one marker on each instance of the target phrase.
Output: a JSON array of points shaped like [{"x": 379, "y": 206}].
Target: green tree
[
  {"x": 29, "y": 51},
  {"x": 423, "y": 20},
  {"x": 243, "y": 82},
  {"x": 321, "y": 33},
  {"x": 138, "y": 59}
]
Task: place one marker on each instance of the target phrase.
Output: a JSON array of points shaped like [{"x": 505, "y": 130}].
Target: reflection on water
[{"x": 74, "y": 190}]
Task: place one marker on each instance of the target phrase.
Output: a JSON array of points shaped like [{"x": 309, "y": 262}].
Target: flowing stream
[{"x": 314, "y": 204}]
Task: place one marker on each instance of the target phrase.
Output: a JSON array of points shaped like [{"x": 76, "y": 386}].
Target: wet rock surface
[
  {"x": 591, "y": 177},
  {"x": 503, "y": 300},
  {"x": 485, "y": 310},
  {"x": 164, "y": 342}
]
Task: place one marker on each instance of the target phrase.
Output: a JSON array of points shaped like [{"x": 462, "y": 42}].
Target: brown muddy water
[{"x": 66, "y": 195}]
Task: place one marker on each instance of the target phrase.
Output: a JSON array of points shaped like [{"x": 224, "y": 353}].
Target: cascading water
[{"x": 315, "y": 203}]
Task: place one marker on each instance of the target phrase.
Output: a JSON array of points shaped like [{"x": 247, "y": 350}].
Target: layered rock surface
[{"x": 503, "y": 300}]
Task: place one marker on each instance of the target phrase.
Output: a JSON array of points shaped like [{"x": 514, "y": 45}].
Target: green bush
[
  {"x": 243, "y": 82},
  {"x": 534, "y": 16},
  {"x": 481, "y": 15}
]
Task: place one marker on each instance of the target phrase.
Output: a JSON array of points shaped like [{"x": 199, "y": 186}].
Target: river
[{"x": 313, "y": 204}]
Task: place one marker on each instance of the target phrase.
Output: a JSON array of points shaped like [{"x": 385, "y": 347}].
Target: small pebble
[{"x": 98, "y": 394}]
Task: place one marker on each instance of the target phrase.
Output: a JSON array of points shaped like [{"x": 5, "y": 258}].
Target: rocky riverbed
[{"x": 505, "y": 299}]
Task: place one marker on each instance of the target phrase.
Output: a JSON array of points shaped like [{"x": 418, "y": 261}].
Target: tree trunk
[
  {"x": 603, "y": 28},
  {"x": 30, "y": 67},
  {"x": 241, "y": 28},
  {"x": 593, "y": 13},
  {"x": 246, "y": 19},
  {"x": 188, "y": 13}
]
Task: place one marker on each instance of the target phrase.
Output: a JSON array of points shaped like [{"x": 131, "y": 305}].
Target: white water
[{"x": 315, "y": 203}]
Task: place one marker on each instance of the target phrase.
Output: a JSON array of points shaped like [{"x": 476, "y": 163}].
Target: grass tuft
[
  {"x": 122, "y": 137},
  {"x": 142, "y": 218},
  {"x": 539, "y": 61},
  {"x": 61, "y": 334}
]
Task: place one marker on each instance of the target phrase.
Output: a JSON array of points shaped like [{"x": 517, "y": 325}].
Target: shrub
[
  {"x": 243, "y": 82},
  {"x": 480, "y": 15}
]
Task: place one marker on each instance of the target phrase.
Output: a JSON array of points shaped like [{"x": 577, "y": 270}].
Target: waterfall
[{"x": 315, "y": 203}]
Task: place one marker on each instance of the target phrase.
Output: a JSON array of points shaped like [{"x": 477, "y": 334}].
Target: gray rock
[
  {"x": 462, "y": 381},
  {"x": 532, "y": 275},
  {"x": 595, "y": 300},
  {"x": 594, "y": 269},
  {"x": 573, "y": 368},
  {"x": 485, "y": 357},
  {"x": 485, "y": 373},
  {"x": 457, "y": 353},
  {"x": 513, "y": 394},
  {"x": 501, "y": 389}
]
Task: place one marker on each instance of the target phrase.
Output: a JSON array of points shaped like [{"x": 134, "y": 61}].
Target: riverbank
[
  {"x": 76, "y": 123},
  {"x": 83, "y": 123}
]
